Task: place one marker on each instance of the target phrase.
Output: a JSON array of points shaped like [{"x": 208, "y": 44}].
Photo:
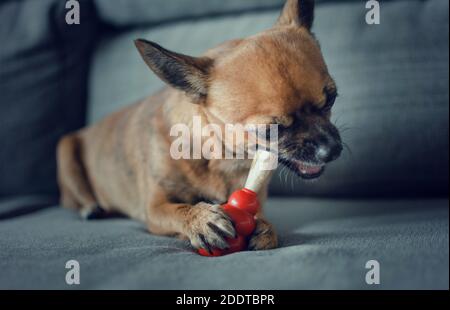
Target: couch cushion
[
  {"x": 325, "y": 244},
  {"x": 43, "y": 73},
  {"x": 21, "y": 205},
  {"x": 393, "y": 78}
]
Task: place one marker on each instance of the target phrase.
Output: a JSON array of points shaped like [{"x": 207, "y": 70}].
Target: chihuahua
[{"x": 123, "y": 163}]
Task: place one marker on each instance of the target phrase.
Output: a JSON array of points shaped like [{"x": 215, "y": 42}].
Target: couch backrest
[
  {"x": 43, "y": 73},
  {"x": 134, "y": 13},
  {"x": 393, "y": 81}
]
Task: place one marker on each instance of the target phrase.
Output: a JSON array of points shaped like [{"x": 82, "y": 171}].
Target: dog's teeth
[{"x": 309, "y": 169}]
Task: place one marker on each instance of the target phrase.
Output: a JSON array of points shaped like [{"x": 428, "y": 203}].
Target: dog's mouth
[
  {"x": 306, "y": 170},
  {"x": 309, "y": 171}
]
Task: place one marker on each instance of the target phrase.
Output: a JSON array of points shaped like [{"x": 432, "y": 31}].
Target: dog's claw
[
  {"x": 215, "y": 239},
  {"x": 224, "y": 228},
  {"x": 204, "y": 244},
  {"x": 210, "y": 227}
]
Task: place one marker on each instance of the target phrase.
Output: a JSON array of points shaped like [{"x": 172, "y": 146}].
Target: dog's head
[{"x": 276, "y": 77}]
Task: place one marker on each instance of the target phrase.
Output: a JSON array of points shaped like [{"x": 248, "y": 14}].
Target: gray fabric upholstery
[
  {"x": 393, "y": 79},
  {"x": 16, "y": 206},
  {"x": 43, "y": 72},
  {"x": 325, "y": 244},
  {"x": 393, "y": 82},
  {"x": 130, "y": 13},
  {"x": 126, "y": 13}
]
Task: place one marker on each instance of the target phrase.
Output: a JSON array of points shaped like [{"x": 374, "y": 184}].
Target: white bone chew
[{"x": 259, "y": 172}]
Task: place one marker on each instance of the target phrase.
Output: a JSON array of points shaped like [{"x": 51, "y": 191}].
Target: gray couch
[{"x": 385, "y": 200}]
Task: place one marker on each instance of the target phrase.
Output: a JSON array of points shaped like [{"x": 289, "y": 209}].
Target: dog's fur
[{"x": 123, "y": 163}]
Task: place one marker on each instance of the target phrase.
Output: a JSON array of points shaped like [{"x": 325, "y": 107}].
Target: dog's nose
[
  {"x": 328, "y": 152},
  {"x": 322, "y": 153}
]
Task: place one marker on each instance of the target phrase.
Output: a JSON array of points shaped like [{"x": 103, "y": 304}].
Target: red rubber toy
[
  {"x": 246, "y": 200},
  {"x": 245, "y": 225},
  {"x": 244, "y": 222},
  {"x": 242, "y": 207},
  {"x": 236, "y": 245},
  {"x": 215, "y": 253}
]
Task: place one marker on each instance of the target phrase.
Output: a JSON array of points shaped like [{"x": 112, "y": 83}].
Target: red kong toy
[
  {"x": 243, "y": 222},
  {"x": 242, "y": 207},
  {"x": 245, "y": 200}
]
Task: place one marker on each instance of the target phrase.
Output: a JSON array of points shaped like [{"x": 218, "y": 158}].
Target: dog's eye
[{"x": 331, "y": 99}]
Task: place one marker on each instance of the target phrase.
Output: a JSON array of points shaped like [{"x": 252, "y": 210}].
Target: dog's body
[{"x": 123, "y": 163}]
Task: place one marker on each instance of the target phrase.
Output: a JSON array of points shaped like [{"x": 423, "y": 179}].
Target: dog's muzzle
[{"x": 309, "y": 158}]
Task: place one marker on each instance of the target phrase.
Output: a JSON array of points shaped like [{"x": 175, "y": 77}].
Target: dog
[{"x": 122, "y": 164}]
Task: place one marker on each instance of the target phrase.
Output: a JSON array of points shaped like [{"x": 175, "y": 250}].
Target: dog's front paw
[
  {"x": 208, "y": 227},
  {"x": 264, "y": 237}
]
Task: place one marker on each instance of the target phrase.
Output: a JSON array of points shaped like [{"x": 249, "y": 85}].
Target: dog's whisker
[
  {"x": 292, "y": 181},
  {"x": 286, "y": 177},
  {"x": 345, "y": 129},
  {"x": 347, "y": 147},
  {"x": 285, "y": 172},
  {"x": 336, "y": 120},
  {"x": 281, "y": 174}
]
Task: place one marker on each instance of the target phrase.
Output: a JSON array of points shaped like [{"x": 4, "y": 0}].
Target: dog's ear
[
  {"x": 297, "y": 12},
  {"x": 185, "y": 73}
]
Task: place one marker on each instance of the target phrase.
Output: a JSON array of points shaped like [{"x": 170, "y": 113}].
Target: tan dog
[{"x": 123, "y": 163}]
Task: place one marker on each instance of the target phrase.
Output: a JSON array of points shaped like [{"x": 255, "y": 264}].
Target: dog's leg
[
  {"x": 205, "y": 225},
  {"x": 75, "y": 189},
  {"x": 264, "y": 237}
]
